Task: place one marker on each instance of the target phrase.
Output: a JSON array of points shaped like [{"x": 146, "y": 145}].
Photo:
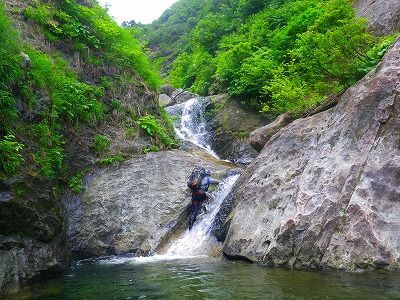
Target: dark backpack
[{"x": 195, "y": 178}]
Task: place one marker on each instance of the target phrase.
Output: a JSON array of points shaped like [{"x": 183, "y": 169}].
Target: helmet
[{"x": 208, "y": 172}]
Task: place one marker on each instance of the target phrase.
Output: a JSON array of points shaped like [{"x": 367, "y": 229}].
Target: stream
[{"x": 191, "y": 267}]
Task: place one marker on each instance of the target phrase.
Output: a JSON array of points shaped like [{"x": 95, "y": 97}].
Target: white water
[
  {"x": 197, "y": 243},
  {"x": 192, "y": 124}
]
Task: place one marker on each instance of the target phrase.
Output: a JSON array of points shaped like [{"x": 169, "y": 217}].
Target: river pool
[{"x": 205, "y": 278}]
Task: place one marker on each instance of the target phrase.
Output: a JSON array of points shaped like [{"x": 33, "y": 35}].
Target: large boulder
[
  {"x": 383, "y": 15},
  {"x": 135, "y": 207},
  {"x": 325, "y": 190}
]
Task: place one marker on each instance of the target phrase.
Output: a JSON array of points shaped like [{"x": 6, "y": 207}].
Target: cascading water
[
  {"x": 199, "y": 241},
  {"x": 191, "y": 125},
  {"x": 192, "y": 128}
]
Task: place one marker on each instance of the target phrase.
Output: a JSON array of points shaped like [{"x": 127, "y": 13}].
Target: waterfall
[
  {"x": 199, "y": 241},
  {"x": 191, "y": 123}
]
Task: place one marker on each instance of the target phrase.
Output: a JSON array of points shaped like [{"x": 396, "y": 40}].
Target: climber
[{"x": 199, "y": 182}]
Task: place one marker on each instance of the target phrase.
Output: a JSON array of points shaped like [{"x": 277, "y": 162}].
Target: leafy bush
[
  {"x": 51, "y": 152},
  {"x": 284, "y": 55},
  {"x": 101, "y": 143},
  {"x": 72, "y": 100},
  {"x": 154, "y": 128},
  {"x": 10, "y": 70},
  {"x": 10, "y": 157},
  {"x": 76, "y": 183},
  {"x": 110, "y": 160}
]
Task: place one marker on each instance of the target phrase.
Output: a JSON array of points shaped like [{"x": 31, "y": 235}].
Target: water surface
[{"x": 157, "y": 278}]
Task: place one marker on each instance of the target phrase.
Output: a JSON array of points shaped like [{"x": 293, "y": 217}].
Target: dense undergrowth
[
  {"x": 42, "y": 96},
  {"x": 276, "y": 55}
]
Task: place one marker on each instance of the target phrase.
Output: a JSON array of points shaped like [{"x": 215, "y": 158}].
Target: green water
[{"x": 209, "y": 279}]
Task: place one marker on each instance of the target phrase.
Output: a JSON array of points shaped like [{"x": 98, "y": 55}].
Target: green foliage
[
  {"x": 279, "y": 55},
  {"x": 130, "y": 132},
  {"x": 151, "y": 149},
  {"x": 197, "y": 70},
  {"x": 101, "y": 143},
  {"x": 55, "y": 97},
  {"x": 50, "y": 155},
  {"x": 10, "y": 156},
  {"x": 155, "y": 129},
  {"x": 72, "y": 100},
  {"x": 10, "y": 70},
  {"x": 91, "y": 28},
  {"x": 111, "y": 160},
  {"x": 76, "y": 183}
]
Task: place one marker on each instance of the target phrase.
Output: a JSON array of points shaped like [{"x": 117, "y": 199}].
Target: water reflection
[{"x": 133, "y": 278}]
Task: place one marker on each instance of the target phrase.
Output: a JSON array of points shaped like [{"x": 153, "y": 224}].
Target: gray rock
[
  {"x": 230, "y": 125},
  {"x": 180, "y": 96},
  {"x": 22, "y": 259},
  {"x": 324, "y": 191},
  {"x": 164, "y": 100},
  {"x": 383, "y": 15},
  {"x": 167, "y": 89},
  {"x": 259, "y": 137},
  {"x": 136, "y": 207}
]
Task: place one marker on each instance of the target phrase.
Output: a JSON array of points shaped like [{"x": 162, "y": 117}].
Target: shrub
[
  {"x": 51, "y": 153},
  {"x": 110, "y": 160},
  {"x": 101, "y": 143},
  {"x": 76, "y": 183},
  {"x": 154, "y": 128},
  {"x": 10, "y": 157}
]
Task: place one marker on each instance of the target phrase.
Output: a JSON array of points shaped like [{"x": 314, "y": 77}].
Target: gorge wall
[{"x": 324, "y": 191}]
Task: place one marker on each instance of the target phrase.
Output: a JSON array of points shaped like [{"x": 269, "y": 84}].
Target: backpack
[{"x": 195, "y": 178}]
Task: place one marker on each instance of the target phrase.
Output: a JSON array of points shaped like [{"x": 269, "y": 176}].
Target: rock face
[
  {"x": 383, "y": 15},
  {"x": 259, "y": 137},
  {"x": 32, "y": 232},
  {"x": 134, "y": 208},
  {"x": 230, "y": 125},
  {"x": 325, "y": 190}
]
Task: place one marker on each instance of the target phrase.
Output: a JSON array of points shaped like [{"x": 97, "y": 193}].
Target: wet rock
[
  {"x": 324, "y": 191},
  {"x": 136, "y": 207},
  {"x": 24, "y": 259},
  {"x": 32, "y": 239}
]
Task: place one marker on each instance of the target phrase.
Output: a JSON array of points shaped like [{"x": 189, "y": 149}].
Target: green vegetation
[
  {"x": 101, "y": 143},
  {"x": 155, "y": 128},
  {"x": 46, "y": 93},
  {"x": 151, "y": 149},
  {"x": 76, "y": 183},
  {"x": 111, "y": 160},
  {"x": 277, "y": 55},
  {"x": 10, "y": 158}
]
